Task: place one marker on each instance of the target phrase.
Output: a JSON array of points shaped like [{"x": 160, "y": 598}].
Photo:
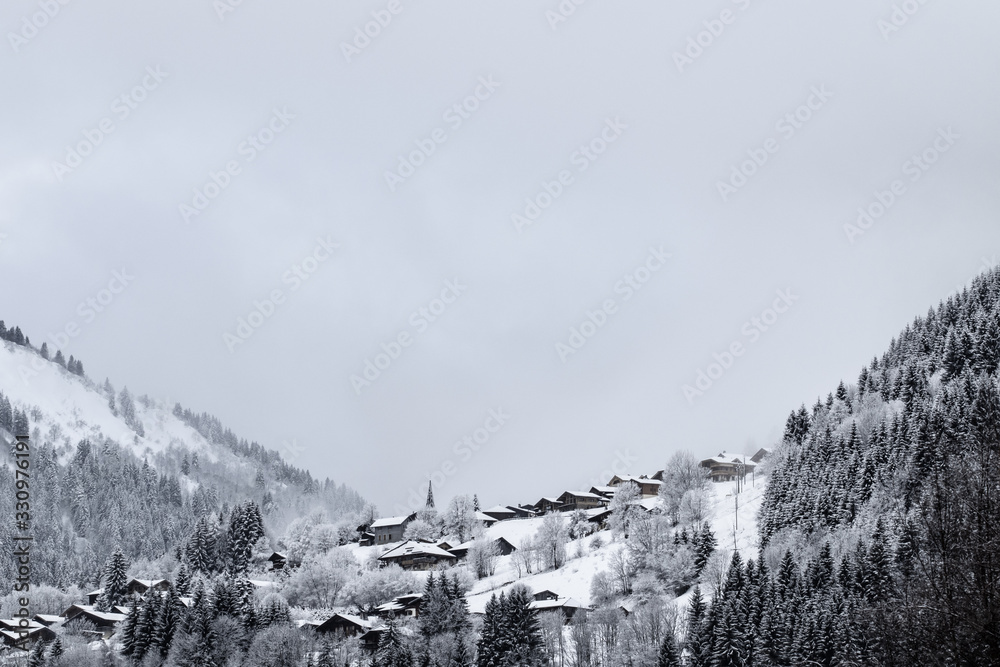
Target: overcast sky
[{"x": 624, "y": 120}]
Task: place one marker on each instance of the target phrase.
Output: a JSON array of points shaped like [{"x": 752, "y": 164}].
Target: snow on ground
[
  {"x": 732, "y": 527},
  {"x": 72, "y": 410}
]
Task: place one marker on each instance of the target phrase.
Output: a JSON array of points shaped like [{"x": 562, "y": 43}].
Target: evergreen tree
[
  {"x": 44, "y": 351},
  {"x": 668, "y": 652},
  {"x": 60, "y": 359},
  {"x": 115, "y": 580},
  {"x": 392, "y": 650}
]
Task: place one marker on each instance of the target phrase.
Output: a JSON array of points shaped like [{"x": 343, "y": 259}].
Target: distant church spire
[{"x": 430, "y": 496}]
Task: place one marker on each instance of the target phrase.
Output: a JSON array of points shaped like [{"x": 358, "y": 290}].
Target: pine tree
[
  {"x": 115, "y": 579},
  {"x": 56, "y": 649},
  {"x": 167, "y": 621},
  {"x": 490, "y": 646},
  {"x": 183, "y": 579},
  {"x": 524, "y": 637},
  {"x": 60, "y": 359},
  {"x": 44, "y": 351},
  {"x": 475, "y": 502},
  {"x": 668, "y": 652},
  {"x": 127, "y": 630},
  {"x": 392, "y": 651}
]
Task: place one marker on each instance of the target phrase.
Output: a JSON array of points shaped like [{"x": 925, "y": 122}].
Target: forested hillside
[
  {"x": 879, "y": 527},
  {"x": 110, "y": 470}
]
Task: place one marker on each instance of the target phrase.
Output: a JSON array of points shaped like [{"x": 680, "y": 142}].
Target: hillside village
[{"x": 499, "y": 532}]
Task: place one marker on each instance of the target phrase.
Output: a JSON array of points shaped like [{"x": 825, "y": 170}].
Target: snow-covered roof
[
  {"x": 583, "y": 494},
  {"x": 639, "y": 480},
  {"x": 390, "y": 521},
  {"x": 545, "y": 605},
  {"x": 48, "y": 618},
  {"x": 484, "y": 517},
  {"x": 729, "y": 457},
  {"x": 102, "y": 615},
  {"x": 500, "y": 509},
  {"x": 412, "y": 548},
  {"x": 650, "y": 504}
]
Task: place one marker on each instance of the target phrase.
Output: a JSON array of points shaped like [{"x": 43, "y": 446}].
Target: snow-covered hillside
[
  {"x": 65, "y": 408},
  {"x": 574, "y": 578}
]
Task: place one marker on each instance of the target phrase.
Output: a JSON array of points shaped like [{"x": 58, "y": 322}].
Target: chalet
[
  {"x": 580, "y": 500},
  {"x": 485, "y": 520},
  {"x": 92, "y": 596},
  {"x": 727, "y": 467},
  {"x": 545, "y": 595},
  {"x": 14, "y": 638},
  {"x": 278, "y": 560},
  {"x": 47, "y": 620},
  {"x": 416, "y": 556},
  {"x": 369, "y": 640},
  {"x": 367, "y": 539},
  {"x": 599, "y": 516},
  {"x": 345, "y": 625},
  {"x": 650, "y": 505},
  {"x": 523, "y": 511},
  {"x": 504, "y": 547},
  {"x": 500, "y": 513},
  {"x": 140, "y": 586},
  {"x": 568, "y": 606},
  {"x": 391, "y": 529},
  {"x": 546, "y": 505},
  {"x": 105, "y": 622},
  {"x": 658, "y": 475},
  {"x": 404, "y": 605},
  {"x": 648, "y": 488},
  {"x": 604, "y": 491},
  {"x": 761, "y": 454}
]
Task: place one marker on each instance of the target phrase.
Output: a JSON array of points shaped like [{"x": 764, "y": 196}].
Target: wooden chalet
[
  {"x": 345, "y": 625},
  {"x": 404, "y": 605},
  {"x": 728, "y": 467},
  {"x": 648, "y": 488},
  {"x": 390, "y": 529},
  {"x": 140, "y": 586},
  {"x": 500, "y": 513},
  {"x": 105, "y": 622},
  {"x": 604, "y": 491},
  {"x": 546, "y": 505},
  {"x": 580, "y": 500},
  {"x": 278, "y": 560},
  {"x": 567, "y": 606},
  {"x": 761, "y": 454},
  {"x": 415, "y": 556}
]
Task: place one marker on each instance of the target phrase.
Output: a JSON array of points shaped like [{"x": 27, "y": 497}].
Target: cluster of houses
[
  {"x": 369, "y": 628},
  {"x": 410, "y": 555},
  {"x": 425, "y": 555}
]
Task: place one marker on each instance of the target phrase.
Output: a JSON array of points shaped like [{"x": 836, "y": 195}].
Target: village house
[
  {"x": 104, "y": 622},
  {"x": 549, "y": 601},
  {"x": 277, "y": 560},
  {"x": 761, "y": 454},
  {"x": 415, "y": 556},
  {"x": 345, "y": 625},
  {"x": 580, "y": 500},
  {"x": 401, "y": 606},
  {"x": 500, "y": 513},
  {"x": 648, "y": 488},
  {"x": 604, "y": 491},
  {"x": 140, "y": 586},
  {"x": 727, "y": 467},
  {"x": 546, "y": 505},
  {"x": 390, "y": 529}
]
